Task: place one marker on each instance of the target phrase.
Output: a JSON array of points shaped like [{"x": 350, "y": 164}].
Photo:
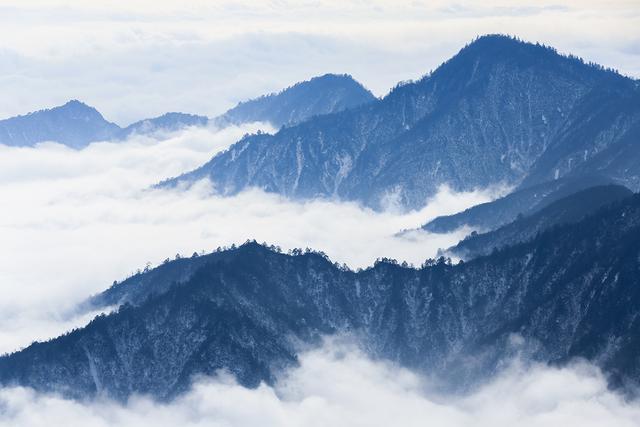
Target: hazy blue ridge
[{"x": 76, "y": 124}]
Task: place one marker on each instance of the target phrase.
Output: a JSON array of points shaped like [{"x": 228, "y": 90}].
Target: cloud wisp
[{"x": 338, "y": 385}]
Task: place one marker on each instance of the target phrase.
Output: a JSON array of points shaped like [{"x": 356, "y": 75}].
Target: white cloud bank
[
  {"x": 337, "y": 385},
  {"x": 74, "y": 221}
]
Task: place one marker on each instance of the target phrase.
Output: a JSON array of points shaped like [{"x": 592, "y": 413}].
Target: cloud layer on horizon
[{"x": 138, "y": 59}]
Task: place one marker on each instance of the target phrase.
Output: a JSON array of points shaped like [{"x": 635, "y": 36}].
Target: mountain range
[
  {"x": 500, "y": 112},
  {"x": 76, "y": 124},
  {"x": 573, "y": 291},
  {"x": 550, "y": 274},
  {"x": 326, "y": 94}
]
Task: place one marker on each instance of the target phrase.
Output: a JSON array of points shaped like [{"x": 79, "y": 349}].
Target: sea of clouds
[
  {"x": 74, "y": 221},
  {"x": 337, "y": 385}
]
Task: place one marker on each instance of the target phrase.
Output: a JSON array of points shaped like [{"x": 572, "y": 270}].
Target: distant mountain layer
[
  {"x": 76, "y": 124},
  {"x": 325, "y": 94},
  {"x": 491, "y": 215},
  {"x": 501, "y": 111},
  {"x": 568, "y": 210},
  {"x": 571, "y": 292},
  {"x": 169, "y": 122}
]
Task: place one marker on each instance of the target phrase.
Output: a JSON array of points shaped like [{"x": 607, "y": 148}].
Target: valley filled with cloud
[
  {"x": 100, "y": 204},
  {"x": 75, "y": 221}
]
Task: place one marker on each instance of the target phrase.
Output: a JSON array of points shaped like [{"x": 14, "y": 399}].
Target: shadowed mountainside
[{"x": 571, "y": 292}]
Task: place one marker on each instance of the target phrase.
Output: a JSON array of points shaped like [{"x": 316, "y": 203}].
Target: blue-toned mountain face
[
  {"x": 168, "y": 122},
  {"x": 74, "y": 124},
  {"x": 521, "y": 202},
  {"x": 500, "y": 111},
  {"x": 567, "y": 210},
  {"x": 325, "y": 94},
  {"x": 571, "y": 292}
]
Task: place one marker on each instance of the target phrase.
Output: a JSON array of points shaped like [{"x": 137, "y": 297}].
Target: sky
[{"x": 141, "y": 58}]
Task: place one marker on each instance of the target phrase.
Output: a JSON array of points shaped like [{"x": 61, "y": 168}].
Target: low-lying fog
[
  {"x": 74, "y": 221},
  {"x": 337, "y": 385}
]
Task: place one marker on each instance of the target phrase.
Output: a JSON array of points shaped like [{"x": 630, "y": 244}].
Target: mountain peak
[
  {"x": 333, "y": 78},
  {"x": 74, "y": 124},
  {"x": 499, "y": 99},
  {"x": 325, "y": 94},
  {"x": 76, "y": 104},
  {"x": 496, "y": 48},
  {"x": 328, "y": 81},
  {"x": 498, "y": 39},
  {"x": 171, "y": 121},
  {"x": 336, "y": 76}
]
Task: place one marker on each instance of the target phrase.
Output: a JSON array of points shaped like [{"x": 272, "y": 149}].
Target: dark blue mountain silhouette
[{"x": 570, "y": 292}]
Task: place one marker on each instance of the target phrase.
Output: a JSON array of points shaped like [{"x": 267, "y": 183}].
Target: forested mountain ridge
[
  {"x": 527, "y": 201},
  {"x": 492, "y": 114},
  {"x": 567, "y": 210},
  {"x": 571, "y": 292}
]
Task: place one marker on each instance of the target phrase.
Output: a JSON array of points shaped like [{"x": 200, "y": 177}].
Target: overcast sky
[{"x": 141, "y": 58}]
